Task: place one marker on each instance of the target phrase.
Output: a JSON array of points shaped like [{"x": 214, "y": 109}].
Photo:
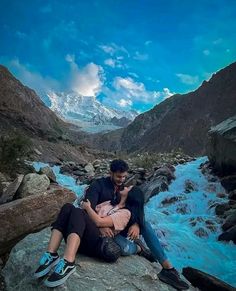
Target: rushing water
[{"x": 178, "y": 222}]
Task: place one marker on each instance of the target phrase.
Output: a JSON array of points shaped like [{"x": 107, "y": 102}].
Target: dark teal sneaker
[
  {"x": 61, "y": 273},
  {"x": 47, "y": 262}
]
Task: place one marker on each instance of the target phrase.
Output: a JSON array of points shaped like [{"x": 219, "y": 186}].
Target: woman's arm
[{"x": 99, "y": 221}]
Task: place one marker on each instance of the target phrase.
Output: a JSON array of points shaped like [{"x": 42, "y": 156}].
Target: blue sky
[{"x": 127, "y": 53}]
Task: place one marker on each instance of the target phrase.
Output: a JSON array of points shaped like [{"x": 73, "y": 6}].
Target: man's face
[{"x": 118, "y": 178}]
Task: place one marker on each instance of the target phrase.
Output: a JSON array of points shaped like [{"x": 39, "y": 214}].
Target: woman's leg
[{"x": 50, "y": 258}]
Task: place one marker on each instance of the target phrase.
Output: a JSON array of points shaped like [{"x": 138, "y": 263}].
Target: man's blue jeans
[{"x": 129, "y": 247}]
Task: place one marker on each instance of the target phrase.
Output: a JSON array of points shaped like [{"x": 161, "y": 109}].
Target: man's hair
[{"x": 119, "y": 166}]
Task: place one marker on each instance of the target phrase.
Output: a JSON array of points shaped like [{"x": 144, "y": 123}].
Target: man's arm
[
  {"x": 93, "y": 193},
  {"x": 99, "y": 221}
]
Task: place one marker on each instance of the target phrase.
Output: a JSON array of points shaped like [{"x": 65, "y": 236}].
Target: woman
[{"x": 80, "y": 229}]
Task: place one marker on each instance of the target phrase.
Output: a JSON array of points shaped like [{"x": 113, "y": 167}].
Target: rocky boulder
[
  {"x": 154, "y": 186},
  {"x": 33, "y": 184},
  {"x": 23, "y": 216},
  {"x": 49, "y": 173},
  {"x": 204, "y": 281},
  {"x": 222, "y": 146},
  {"x": 9, "y": 192},
  {"x": 230, "y": 220},
  {"x": 128, "y": 273},
  {"x": 229, "y": 235}
]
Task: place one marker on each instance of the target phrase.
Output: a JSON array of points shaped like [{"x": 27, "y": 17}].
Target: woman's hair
[{"x": 135, "y": 203}]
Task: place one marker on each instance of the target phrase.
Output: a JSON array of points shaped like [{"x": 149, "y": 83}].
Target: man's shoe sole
[
  {"x": 172, "y": 282},
  {"x": 47, "y": 270},
  {"x": 59, "y": 282}
]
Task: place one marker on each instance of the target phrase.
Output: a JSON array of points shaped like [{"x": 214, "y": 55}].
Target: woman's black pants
[{"x": 76, "y": 220}]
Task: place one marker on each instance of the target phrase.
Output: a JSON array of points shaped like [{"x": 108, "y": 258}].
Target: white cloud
[
  {"x": 124, "y": 103},
  {"x": 113, "y": 49},
  {"x": 21, "y": 35},
  {"x": 133, "y": 75},
  {"x": 110, "y": 62},
  {"x": 188, "y": 79},
  {"x": 132, "y": 91},
  {"x": 140, "y": 57},
  {"x": 166, "y": 93},
  {"x": 217, "y": 41},
  {"x": 206, "y": 52},
  {"x": 148, "y": 42},
  {"x": 70, "y": 58},
  {"x": 86, "y": 81},
  {"x": 41, "y": 84}
]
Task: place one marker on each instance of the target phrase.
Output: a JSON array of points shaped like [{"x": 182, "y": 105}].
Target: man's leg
[
  {"x": 168, "y": 274},
  {"x": 154, "y": 245}
]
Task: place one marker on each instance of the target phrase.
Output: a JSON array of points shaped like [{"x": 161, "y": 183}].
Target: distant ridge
[{"x": 181, "y": 121}]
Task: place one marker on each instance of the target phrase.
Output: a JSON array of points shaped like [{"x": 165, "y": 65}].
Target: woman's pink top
[{"x": 119, "y": 216}]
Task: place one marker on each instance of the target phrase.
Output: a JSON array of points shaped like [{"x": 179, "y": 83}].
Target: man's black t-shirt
[{"x": 103, "y": 189}]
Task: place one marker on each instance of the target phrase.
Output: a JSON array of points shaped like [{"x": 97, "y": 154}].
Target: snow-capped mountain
[{"x": 75, "y": 107}]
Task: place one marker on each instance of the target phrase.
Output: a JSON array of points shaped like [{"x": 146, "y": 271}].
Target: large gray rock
[
  {"x": 154, "y": 186},
  {"x": 23, "y": 216},
  {"x": 222, "y": 146},
  {"x": 128, "y": 273},
  {"x": 10, "y": 190},
  {"x": 230, "y": 220},
  {"x": 229, "y": 235},
  {"x": 33, "y": 184},
  {"x": 49, "y": 173}
]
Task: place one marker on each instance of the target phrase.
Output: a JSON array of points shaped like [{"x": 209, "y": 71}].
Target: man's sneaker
[
  {"x": 61, "y": 273},
  {"x": 172, "y": 277},
  {"x": 47, "y": 261},
  {"x": 145, "y": 252}
]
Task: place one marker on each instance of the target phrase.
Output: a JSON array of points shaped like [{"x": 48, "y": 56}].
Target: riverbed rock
[
  {"x": 229, "y": 235},
  {"x": 204, "y": 281},
  {"x": 222, "y": 146},
  {"x": 229, "y": 182},
  {"x": 128, "y": 273},
  {"x": 23, "y": 216},
  {"x": 9, "y": 192},
  {"x": 165, "y": 171},
  {"x": 232, "y": 195},
  {"x": 230, "y": 221},
  {"x": 33, "y": 184},
  {"x": 189, "y": 186},
  {"x": 49, "y": 173},
  {"x": 154, "y": 186},
  {"x": 221, "y": 208}
]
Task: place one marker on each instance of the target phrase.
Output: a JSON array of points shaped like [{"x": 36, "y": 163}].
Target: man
[{"x": 104, "y": 189}]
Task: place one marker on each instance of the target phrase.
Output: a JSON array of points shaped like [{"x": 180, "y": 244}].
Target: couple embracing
[{"x": 106, "y": 224}]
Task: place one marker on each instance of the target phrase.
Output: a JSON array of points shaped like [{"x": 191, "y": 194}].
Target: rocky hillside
[
  {"x": 21, "y": 107},
  {"x": 181, "y": 121},
  {"x": 22, "y": 112}
]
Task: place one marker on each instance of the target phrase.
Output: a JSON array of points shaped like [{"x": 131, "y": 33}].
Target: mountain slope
[
  {"x": 21, "y": 107},
  {"x": 181, "y": 121}
]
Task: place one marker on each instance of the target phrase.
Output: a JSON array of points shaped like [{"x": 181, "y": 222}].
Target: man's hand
[
  {"x": 85, "y": 204},
  {"x": 133, "y": 232},
  {"x": 106, "y": 232}
]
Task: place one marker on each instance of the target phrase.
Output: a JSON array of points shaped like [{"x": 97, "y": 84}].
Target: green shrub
[{"x": 13, "y": 150}]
